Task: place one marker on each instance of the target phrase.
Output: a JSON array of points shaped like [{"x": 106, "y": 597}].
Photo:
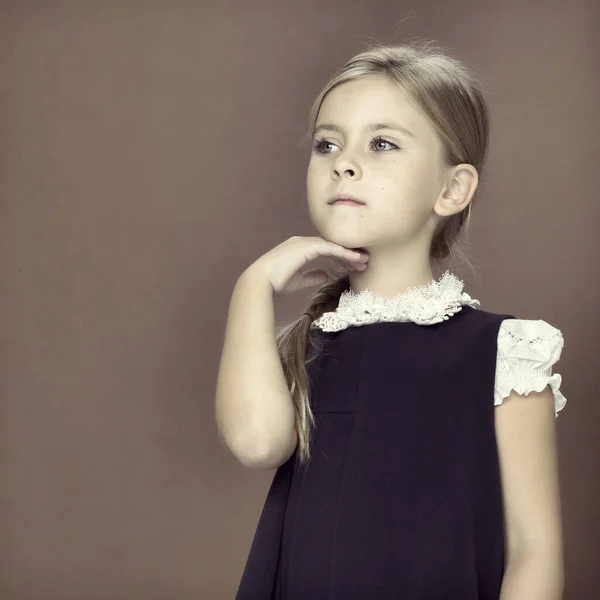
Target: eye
[
  {"x": 319, "y": 145},
  {"x": 380, "y": 139}
]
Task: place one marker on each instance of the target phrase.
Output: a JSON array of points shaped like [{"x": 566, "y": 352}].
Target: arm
[
  {"x": 254, "y": 410},
  {"x": 526, "y": 437}
]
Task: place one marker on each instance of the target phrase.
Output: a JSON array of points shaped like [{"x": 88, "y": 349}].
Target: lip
[
  {"x": 347, "y": 199},
  {"x": 345, "y": 202}
]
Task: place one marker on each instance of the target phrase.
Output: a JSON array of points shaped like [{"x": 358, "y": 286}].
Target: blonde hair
[{"x": 450, "y": 96}]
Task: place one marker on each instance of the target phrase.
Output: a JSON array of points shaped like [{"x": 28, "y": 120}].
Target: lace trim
[{"x": 424, "y": 304}]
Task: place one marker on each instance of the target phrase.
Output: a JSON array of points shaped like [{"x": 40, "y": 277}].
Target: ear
[{"x": 457, "y": 192}]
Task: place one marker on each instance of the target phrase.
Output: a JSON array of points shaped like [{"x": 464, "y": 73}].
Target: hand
[{"x": 282, "y": 265}]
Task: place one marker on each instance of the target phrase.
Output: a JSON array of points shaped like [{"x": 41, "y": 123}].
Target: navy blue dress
[{"x": 402, "y": 497}]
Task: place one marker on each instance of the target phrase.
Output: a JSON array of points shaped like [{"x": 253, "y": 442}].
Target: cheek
[
  {"x": 317, "y": 168},
  {"x": 408, "y": 180},
  {"x": 313, "y": 177}
]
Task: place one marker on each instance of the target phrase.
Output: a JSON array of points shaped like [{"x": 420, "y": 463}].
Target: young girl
[{"x": 413, "y": 433}]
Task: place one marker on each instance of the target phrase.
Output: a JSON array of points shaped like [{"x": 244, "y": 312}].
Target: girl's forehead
[
  {"x": 373, "y": 89},
  {"x": 366, "y": 102}
]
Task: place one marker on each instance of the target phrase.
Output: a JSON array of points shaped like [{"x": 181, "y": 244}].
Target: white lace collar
[{"x": 424, "y": 305}]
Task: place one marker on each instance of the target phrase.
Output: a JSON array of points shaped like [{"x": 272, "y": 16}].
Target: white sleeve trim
[{"x": 527, "y": 349}]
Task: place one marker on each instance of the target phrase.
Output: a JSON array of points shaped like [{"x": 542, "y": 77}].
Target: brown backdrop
[{"x": 149, "y": 154}]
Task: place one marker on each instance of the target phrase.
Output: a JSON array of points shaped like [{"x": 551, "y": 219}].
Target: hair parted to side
[{"x": 450, "y": 95}]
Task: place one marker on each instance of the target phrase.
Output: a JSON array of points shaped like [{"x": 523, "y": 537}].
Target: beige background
[{"x": 148, "y": 155}]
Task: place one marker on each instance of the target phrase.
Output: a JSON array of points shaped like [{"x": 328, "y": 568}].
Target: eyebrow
[{"x": 371, "y": 127}]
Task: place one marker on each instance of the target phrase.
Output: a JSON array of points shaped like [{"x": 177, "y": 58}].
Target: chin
[
  {"x": 347, "y": 241},
  {"x": 341, "y": 235}
]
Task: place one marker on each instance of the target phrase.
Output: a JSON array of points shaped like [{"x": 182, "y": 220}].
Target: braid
[{"x": 327, "y": 297}]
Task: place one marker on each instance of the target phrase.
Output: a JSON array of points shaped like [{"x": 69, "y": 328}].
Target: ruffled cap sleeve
[{"x": 527, "y": 350}]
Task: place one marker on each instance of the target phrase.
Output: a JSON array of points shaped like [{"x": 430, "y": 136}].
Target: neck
[{"x": 388, "y": 276}]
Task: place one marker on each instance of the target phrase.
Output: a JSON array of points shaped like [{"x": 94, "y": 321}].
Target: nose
[
  {"x": 344, "y": 165},
  {"x": 347, "y": 170}
]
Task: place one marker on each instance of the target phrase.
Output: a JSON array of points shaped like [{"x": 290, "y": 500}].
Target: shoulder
[{"x": 527, "y": 350}]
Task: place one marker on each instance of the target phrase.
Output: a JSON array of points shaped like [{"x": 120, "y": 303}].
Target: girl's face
[{"x": 397, "y": 173}]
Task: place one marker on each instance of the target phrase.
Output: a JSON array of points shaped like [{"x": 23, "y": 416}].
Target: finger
[
  {"x": 353, "y": 266},
  {"x": 344, "y": 263},
  {"x": 343, "y": 252},
  {"x": 331, "y": 249}
]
